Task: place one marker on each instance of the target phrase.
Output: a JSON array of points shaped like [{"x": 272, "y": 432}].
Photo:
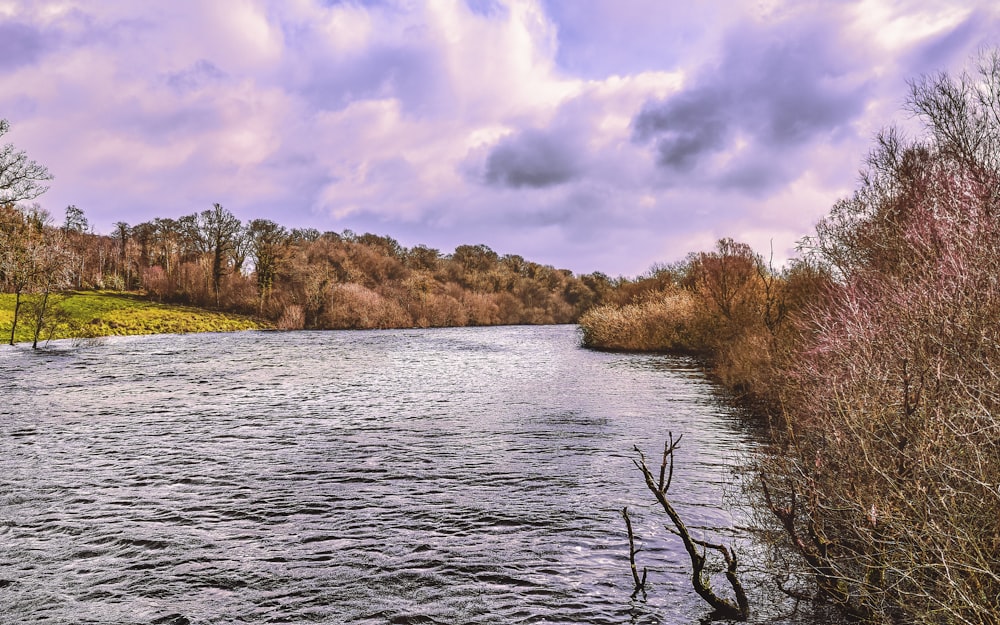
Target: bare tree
[
  {"x": 21, "y": 178},
  {"x": 737, "y": 608},
  {"x": 52, "y": 273},
  {"x": 887, "y": 481},
  {"x": 21, "y": 250}
]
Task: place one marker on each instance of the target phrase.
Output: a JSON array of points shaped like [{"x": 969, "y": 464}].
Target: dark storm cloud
[
  {"x": 773, "y": 90},
  {"x": 685, "y": 127},
  {"x": 531, "y": 158},
  {"x": 20, "y": 44}
]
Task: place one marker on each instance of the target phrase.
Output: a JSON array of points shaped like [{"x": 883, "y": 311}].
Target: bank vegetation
[
  {"x": 287, "y": 278},
  {"x": 876, "y": 360}
]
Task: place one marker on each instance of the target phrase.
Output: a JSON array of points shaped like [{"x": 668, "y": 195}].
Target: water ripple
[{"x": 439, "y": 476}]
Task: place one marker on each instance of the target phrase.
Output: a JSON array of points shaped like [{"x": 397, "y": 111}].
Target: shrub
[
  {"x": 353, "y": 306},
  {"x": 888, "y": 481},
  {"x": 665, "y": 322}
]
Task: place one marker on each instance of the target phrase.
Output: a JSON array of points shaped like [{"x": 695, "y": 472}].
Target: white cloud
[{"x": 387, "y": 116}]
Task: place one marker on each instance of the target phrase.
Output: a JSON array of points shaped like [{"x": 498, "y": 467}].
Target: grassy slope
[{"x": 105, "y": 313}]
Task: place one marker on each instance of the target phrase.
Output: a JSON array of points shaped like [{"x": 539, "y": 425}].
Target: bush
[
  {"x": 888, "y": 481},
  {"x": 356, "y": 307},
  {"x": 665, "y": 322}
]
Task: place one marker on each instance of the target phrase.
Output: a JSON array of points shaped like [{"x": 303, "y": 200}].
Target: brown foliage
[{"x": 888, "y": 480}]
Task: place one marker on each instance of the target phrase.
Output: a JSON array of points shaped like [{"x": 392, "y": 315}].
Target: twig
[{"x": 639, "y": 584}]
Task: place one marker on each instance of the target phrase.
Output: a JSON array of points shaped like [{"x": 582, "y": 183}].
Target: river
[{"x": 467, "y": 475}]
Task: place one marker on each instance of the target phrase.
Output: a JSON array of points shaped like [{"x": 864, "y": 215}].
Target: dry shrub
[
  {"x": 894, "y": 444},
  {"x": 292, "y": 318},
  {"x": 155, "y": 281},
  {"x": 664, "y": 322},
  {"x": 354, "y": 306},
  {"x": 509, "y": 308},
  {"x": 481, "y": 309},
  {"x": 744, "y": 363},
  {"x": 889, "y": 484},
  {"x": 239, "y": 293},
  {"x": 443, "y": 311}
]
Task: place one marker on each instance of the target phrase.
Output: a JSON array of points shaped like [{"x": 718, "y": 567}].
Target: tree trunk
[
  {"x": 17, "y": 308},
  {"x": 40, "y": 319}
]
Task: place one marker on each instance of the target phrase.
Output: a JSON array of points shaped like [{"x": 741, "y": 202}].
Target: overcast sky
[{"x": 593, "y": 135}]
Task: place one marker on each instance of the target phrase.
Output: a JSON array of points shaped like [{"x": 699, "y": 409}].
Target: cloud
[
  {"x": 777, "y": 87},
  {"x": 20, "y": 44},
  {"x": 950, "y": 46},
  {"x": 531, "y": 158},
  {"x": 200, "y": 75},
  {"x": 597, "y": 135}
]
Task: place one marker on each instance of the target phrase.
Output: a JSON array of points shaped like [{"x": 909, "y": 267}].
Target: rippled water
[{"x": 416, "y": 476}]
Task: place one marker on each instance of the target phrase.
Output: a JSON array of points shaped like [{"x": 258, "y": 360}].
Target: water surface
[{"x": 414, "y": 476}]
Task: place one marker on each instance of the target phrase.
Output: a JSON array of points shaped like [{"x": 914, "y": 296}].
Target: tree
[
  {"x": 887, "y": 483},
  {"x": 122, "y": 235},
  {"x": 726, "y": 275},
  {"x": 75, "y": 221},
  {"x": 52, "y": 273},
  {"x": 21, "y": 178},
  {"x": 475, "y": 257},
  {"x": 267, "y": 240},
  {"x": 422, "y": 257},
  {"x": 33, "y": 258},
  {"x": 20, "y": 247},
  {"x": 75, "y": 228},
  {"x": 218, "y": 230}
]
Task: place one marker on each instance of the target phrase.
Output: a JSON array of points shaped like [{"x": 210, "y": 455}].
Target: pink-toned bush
[{"x": 889, "y": 484}]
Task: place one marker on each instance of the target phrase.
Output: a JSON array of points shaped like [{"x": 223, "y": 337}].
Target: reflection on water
[{"x": 417, "y": 476}]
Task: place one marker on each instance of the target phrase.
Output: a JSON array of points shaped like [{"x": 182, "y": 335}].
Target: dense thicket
[
  {"x": 727, "y": 305},
  {"x": 890, "y": 481},
  {"x": 298, "y": 278},
  {"x": 878, "y": 357}
]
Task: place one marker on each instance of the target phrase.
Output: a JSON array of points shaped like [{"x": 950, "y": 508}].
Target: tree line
[
  {"x": 295, "y": 278},
  {"x": 301, "y": 278},
  {"x": 875, "y": 358}
]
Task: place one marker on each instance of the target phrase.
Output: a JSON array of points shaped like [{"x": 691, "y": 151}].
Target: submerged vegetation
[{"x": 876, "y": 358}]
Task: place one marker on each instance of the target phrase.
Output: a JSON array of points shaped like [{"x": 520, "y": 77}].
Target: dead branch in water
[
  {"x": 725, "y": 608},
  {"x": 640, "y": 584}
]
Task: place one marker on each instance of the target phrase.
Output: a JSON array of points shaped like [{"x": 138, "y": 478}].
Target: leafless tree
[
  {"x": 21, "y": 178},
  {"x": 738, "y": 607}
]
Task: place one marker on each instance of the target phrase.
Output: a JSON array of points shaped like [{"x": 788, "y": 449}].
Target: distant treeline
[{"x": 296, "y": 278}]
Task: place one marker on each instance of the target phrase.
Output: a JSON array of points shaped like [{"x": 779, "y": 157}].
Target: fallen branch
[
  {"x": 723, "y": 607},
  {"x": 640, "y": 584}
]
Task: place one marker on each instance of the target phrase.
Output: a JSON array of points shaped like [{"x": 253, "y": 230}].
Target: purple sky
[{"x": 593, "y": 135}]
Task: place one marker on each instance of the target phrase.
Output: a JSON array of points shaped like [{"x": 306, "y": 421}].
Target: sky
[{"x": 591, "y": 135}]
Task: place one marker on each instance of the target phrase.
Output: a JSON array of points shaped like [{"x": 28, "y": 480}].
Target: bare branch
[{"x": 726, "y": 608}]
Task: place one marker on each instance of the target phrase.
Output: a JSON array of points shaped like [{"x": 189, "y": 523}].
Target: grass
[{"x": 86, "y": 314}]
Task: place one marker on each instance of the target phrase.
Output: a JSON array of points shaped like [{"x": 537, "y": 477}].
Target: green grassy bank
[{"x": 86, "y": 314}]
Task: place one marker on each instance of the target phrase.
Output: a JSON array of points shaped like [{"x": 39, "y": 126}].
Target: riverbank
[{"x": 90, "y": 314}]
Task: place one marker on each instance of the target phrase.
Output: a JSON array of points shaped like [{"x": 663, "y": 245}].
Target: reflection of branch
[
  {"x": 639, "y": 584},
  {"x": 723, "y": 607},
  {"x": 814, "y": 550}
]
